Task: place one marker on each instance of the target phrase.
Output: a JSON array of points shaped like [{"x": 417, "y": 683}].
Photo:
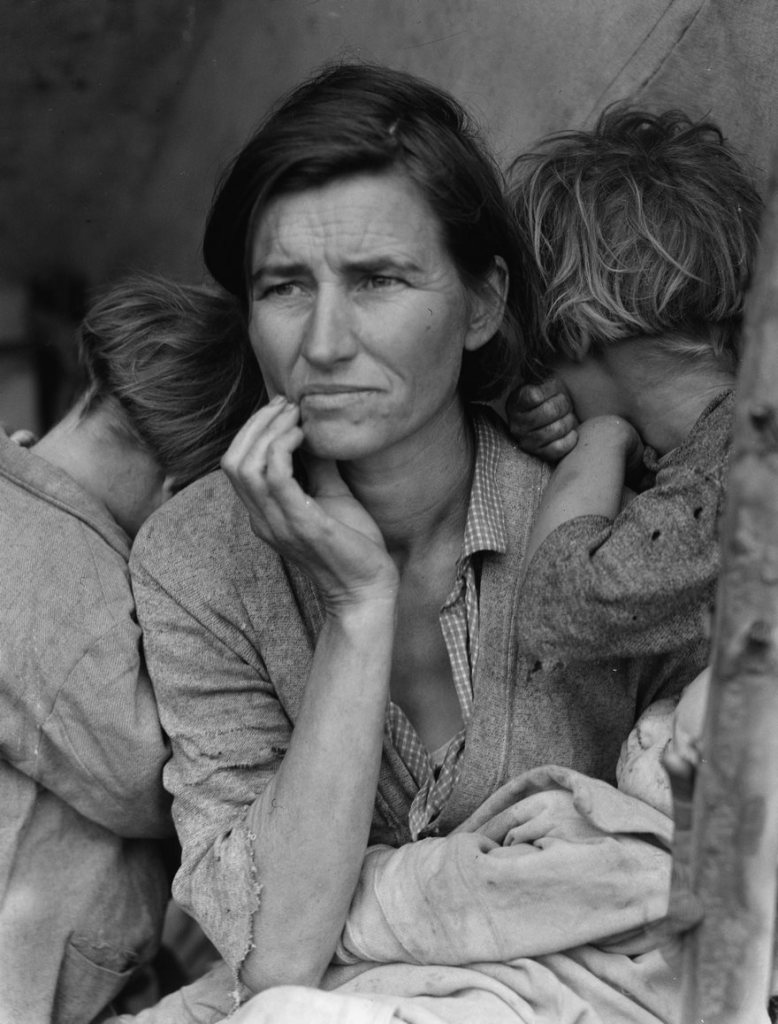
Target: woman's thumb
[{"x": 324, "y": 479}]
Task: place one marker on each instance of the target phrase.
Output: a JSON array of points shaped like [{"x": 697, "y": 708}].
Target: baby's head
[
  {"x": 665, "y": 725},
  {"x": 643, "y": 227}
]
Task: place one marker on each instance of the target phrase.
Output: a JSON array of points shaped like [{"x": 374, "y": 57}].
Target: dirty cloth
[
  {"x": 229, "y": 633},
  {"x": 540, "y": 908},
  {"x": 484, "y": 926},
  {"x": 83, "y": 889}
]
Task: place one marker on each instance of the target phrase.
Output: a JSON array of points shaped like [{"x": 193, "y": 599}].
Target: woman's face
[{"x": 359, "y": 316}]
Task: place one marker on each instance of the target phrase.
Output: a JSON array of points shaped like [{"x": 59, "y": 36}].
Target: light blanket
[{"x": 540, "y": 909}]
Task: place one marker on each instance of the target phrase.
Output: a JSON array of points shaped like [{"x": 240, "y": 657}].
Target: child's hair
[
  {"x": 176, "y": 363},
  {"x": 646, "y": 225}
]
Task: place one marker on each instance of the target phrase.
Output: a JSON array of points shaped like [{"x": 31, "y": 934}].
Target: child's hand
[{"x": 541, "y": 418}]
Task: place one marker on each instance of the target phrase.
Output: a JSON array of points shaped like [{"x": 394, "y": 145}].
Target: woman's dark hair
[
  {"x": 354, "y": 118},
  {"x": 175, "y": 363}
]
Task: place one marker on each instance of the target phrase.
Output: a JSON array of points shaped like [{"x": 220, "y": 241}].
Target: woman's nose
[{"x": 329, "y": 336}]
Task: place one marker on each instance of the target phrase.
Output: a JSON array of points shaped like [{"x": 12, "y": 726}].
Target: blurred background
[{"x": 117, "y": 117}]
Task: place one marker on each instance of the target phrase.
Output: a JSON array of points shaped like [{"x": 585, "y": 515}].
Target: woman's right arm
[
  {"x": 312, "y": 821},
  {"x": 298, "y": 841}
]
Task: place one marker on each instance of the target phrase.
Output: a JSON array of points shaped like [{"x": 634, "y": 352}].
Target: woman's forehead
[{"x": 358, "y": 216}]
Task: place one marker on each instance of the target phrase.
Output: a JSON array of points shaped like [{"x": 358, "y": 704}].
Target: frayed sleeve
[{"x": 227, "y": 729}]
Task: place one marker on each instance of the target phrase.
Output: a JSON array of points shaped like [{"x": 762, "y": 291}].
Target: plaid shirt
[{"x": 436, "y": 772}]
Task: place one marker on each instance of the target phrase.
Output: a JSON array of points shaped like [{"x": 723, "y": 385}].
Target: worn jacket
[
  {"x": 229, "y": 630},
  {"x": 82, "y": 884}
]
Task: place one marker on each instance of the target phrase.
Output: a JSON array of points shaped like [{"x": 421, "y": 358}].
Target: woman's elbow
[{"x": 263, "y": 968}]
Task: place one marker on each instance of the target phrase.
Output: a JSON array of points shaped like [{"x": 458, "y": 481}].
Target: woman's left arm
[{"x": 544, "y": 874}]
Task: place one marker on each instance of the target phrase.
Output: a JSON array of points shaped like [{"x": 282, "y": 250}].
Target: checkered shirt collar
[{"x": 485, "y": 525}]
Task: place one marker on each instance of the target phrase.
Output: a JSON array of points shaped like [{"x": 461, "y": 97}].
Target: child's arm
[
  {"x": 641, "y": 583},
  {"x": 590, "y": 480}
]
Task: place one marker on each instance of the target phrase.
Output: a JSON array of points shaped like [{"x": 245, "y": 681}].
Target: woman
[
  {"x": 339, "y": 667},
  {"x": 83, "y": 877}
]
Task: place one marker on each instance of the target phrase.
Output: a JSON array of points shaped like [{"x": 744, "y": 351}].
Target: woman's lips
[{"x": 334, "y": 396}]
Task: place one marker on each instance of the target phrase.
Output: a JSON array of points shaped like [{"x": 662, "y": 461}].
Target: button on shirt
[{"x": 436, "y": 772}]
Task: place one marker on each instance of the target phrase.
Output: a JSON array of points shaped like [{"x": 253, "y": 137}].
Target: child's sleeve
[{"x": 641, "y": 584}]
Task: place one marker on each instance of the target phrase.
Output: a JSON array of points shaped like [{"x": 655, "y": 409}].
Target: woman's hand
[
  {"x": 548, "y": 814},
  {"x": 327, "y": 532},
  {"x": 542, "y": 420}
]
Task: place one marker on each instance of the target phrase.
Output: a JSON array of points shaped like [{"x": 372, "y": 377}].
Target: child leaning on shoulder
[{"x": 644, "y": 232}]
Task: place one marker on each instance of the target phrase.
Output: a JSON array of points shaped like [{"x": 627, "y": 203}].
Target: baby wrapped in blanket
[{"x": 544, "y": 907}]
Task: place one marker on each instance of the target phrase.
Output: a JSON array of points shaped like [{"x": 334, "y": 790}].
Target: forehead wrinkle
[{"x": 299, "y": 225}]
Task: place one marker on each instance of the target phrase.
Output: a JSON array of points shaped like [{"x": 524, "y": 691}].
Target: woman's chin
[
  {"x": 338, "y": 445},
  {"x": 334, "y": 451}
]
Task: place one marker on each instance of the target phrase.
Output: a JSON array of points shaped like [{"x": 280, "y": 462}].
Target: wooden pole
[{"x": 728, "y": 957}]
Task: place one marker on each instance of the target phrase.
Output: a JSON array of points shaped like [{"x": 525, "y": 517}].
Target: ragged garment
[{"x": 542, "y": 908}]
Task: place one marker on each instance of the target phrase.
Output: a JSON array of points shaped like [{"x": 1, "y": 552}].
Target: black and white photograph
[{"x": 388, "y": 511}]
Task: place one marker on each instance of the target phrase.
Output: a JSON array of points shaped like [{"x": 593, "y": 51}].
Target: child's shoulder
[
  {"x": 714, "y": 425},
  {"x": 707, "y": 447}
]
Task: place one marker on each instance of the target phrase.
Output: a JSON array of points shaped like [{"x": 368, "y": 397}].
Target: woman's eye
[
  {"x": 382, "y": 281},
  {"x": 282, "y": 289}
]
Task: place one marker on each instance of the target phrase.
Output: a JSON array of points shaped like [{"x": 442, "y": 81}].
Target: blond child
[{"x": 644, "y": 232}]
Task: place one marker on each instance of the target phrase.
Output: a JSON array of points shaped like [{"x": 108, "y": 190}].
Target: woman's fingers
[
  {"x": 260, "y": 457},
  {"x": 257, "y": 432},
  {"x": 260, "y": 467},
  {"x": 326, "y": 531},
  {"x": 550, "y": 812},
  {"x": 277, "y": 455},
  {"x": 253, "y": 426},
  {"x": 324, "y": 479},
  {"x": 529, "y": 832},
  {"x": 501, "y": 824}
]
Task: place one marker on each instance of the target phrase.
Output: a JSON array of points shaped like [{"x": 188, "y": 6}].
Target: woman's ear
[
  {"x": 487, "y": 306},
  {"x": 168, "y": 488}
]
